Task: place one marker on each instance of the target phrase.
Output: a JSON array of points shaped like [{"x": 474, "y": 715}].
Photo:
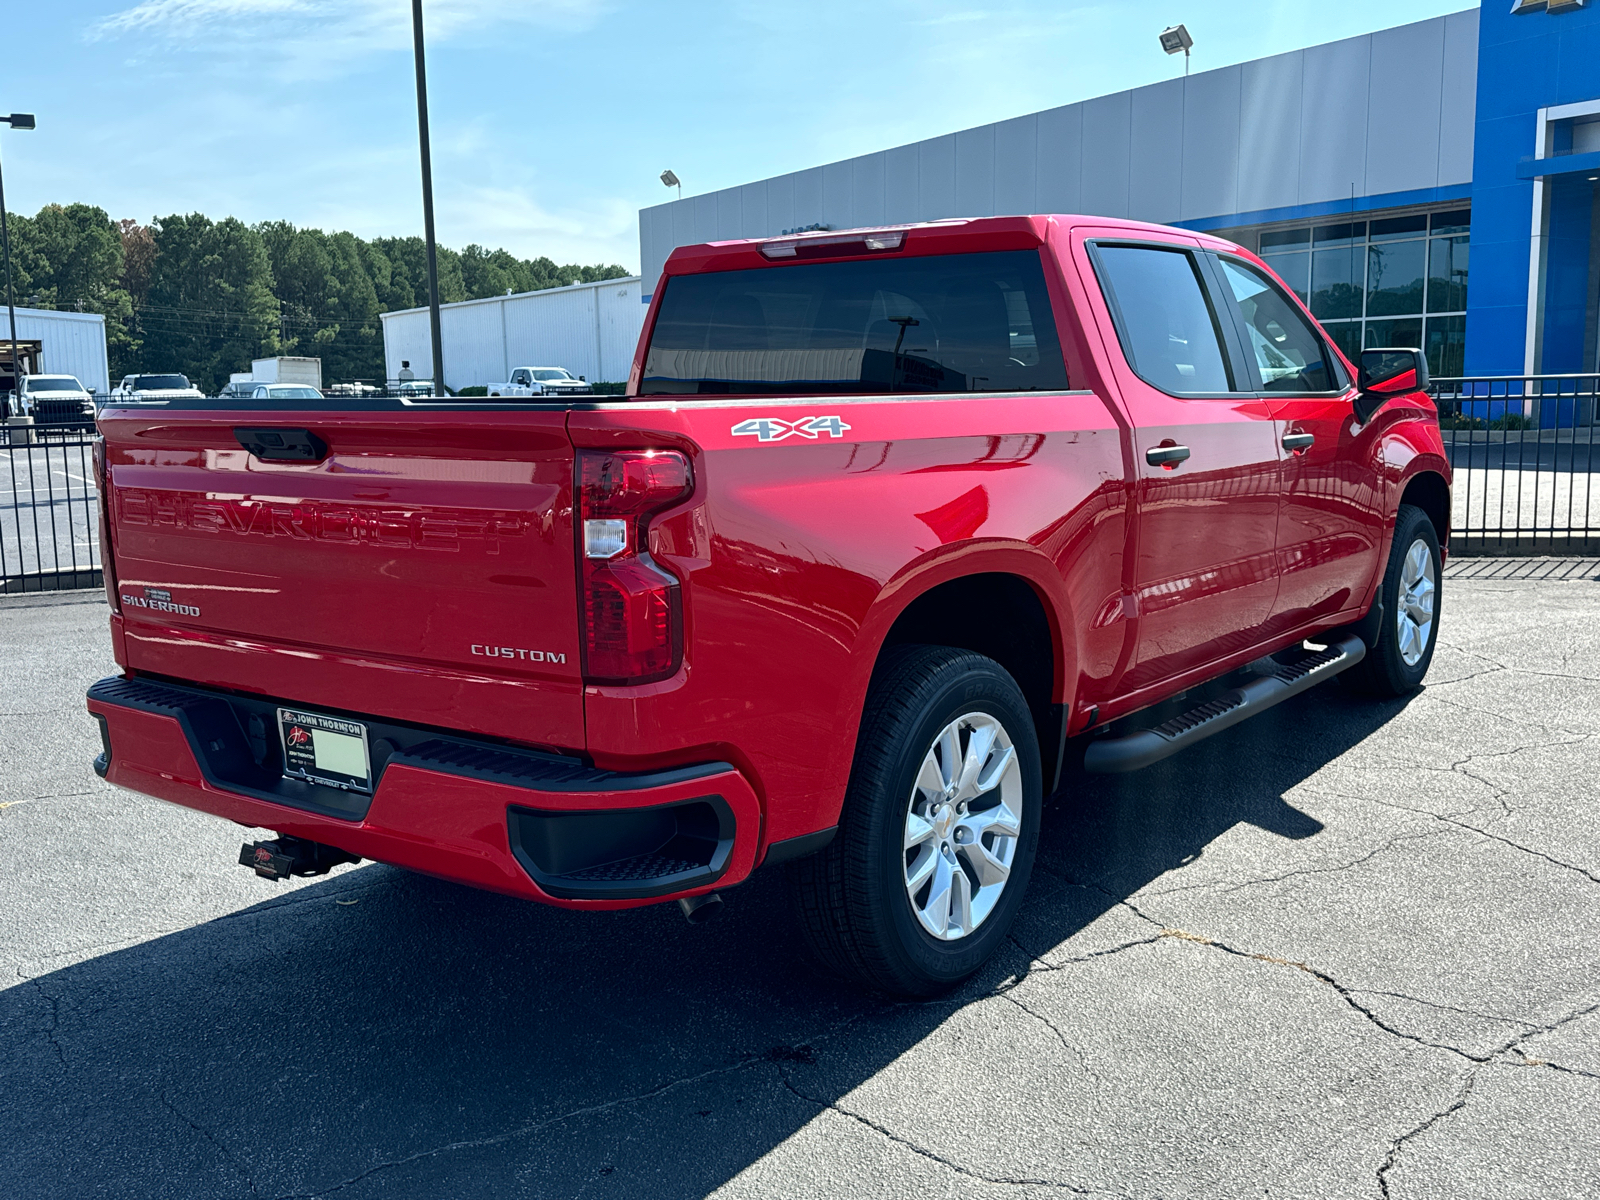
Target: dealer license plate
[{"x": 326, "y": 750}]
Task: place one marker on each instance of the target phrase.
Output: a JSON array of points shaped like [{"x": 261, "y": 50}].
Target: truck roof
[{"x": 953, "y": 236}]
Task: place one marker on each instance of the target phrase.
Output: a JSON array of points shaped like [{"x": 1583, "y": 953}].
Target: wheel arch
[
  {"x": 1001, "y": 608},
  {"x": 1428, "y": 491}
]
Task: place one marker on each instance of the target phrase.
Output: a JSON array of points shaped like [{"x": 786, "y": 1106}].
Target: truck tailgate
[{"x": 422, "y": 571}]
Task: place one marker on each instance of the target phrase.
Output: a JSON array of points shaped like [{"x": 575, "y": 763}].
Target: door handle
[
  {"x": 1298, "y": 442},
  {"x": 1166, "y": 456}
]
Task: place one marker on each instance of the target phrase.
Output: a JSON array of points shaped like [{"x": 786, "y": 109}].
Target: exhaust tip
[{"x": 697, "y": 910}]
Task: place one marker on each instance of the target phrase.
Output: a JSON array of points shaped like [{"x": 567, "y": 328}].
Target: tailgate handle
[{"x": 283, "y": 445}]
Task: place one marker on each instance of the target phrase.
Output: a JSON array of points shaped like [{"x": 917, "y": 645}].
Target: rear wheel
[
  {"x": 939, "y": 827},
  {"x": 1400, "y": 658}
]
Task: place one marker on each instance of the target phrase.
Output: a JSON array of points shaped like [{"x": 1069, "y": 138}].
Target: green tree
[
  {"x": 211, "y": 308},
  {"x": 70, "y": 257}
]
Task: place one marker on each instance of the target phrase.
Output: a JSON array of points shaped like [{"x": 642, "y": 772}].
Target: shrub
[
  {"x": 608, "y": 389},
  {"x": 477, "y": 390}
]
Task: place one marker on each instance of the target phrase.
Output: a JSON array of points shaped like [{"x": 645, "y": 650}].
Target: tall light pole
[
  {"x": 16, "y": 121},
  {"x": 427, "y": 200},
  {"x": 1175, "y": 38}
]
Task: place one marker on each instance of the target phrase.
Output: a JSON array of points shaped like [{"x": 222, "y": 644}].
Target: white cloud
[{"x": 324, "y": 34}]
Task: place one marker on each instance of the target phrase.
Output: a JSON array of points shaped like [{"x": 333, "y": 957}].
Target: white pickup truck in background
[{"x": 541, "y": 381}]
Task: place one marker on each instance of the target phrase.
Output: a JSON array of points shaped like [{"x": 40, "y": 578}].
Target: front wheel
[
  {"x": 939, "y": 828},
  {"x": 1397, "y": 661}
]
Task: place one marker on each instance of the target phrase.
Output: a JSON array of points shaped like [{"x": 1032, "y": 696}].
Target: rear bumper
[{"x": 525, "y": 824}]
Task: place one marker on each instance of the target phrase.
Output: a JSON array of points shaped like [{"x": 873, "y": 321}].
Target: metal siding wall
[
  {"x": 1458, "y": 98},
  {"x": 1407, "y": 80},
  {"x": 474, "y": 351},
  {"x": 71, "y": 344},
  {"x": 900, "y": 185},
  {"x": 590, "y": 329},
  {"x": 752, "y": 210},
  {"x": 1058, "y": 185},
  {"x": 1333, "y": 120},
  {"x": 936, "y": 178},
  {"x": 808, "y": 197},
  {"x": 1297, "y": 128},
  {"x": 1107, "y": 125},
  {"x": 1155, "y": 165},
  {"x": 838, "y": 194},
  {"x": 1211, "y": 104},
  {"x": 869, "y": 172},
  {"x": 780, "y": 204},
  {"x": 1270, "y": 127},
  {"x": 974, "y": 172},
  {"x": 730, "y": 213},
  {"x": 1016, "y": 166}
]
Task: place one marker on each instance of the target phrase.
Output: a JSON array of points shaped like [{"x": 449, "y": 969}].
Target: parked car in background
[
  {"x": 237, "y": 389},
  {"x": 155, "y": 389},
  {"x": 56, "y": 400},
  {"x": 415, "y": 389},
  {"x": 285, "y": 391},
  {"x": 541, "y": 381}
]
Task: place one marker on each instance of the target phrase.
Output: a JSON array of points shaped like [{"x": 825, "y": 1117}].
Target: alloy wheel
[
  {"x": 962, "y": 826},
  {"x": 1414, "y": 615}
]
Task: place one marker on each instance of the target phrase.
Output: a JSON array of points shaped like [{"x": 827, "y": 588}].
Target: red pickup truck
[{"x": 891, "y": 526}]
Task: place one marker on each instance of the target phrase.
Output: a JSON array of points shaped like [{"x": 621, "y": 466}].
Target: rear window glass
[{"x": 943, "y": 323}]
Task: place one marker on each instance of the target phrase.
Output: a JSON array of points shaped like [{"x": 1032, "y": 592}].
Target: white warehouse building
[
  {"x": 66, "y": 343},
  {"x": 591, "y": 329}
]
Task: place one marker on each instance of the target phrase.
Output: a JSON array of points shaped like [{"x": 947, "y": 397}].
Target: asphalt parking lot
[{"x": 1346, "y": 949}]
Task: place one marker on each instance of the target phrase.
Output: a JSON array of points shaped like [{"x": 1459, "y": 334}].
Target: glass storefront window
[
  {"x": 1394, "y": 278},
  {"x": 1294, "y": 270},
  {"x": 1370, "y": 282},
  {"x": 1404, "y": 331},
  {"x": 1447, "y": 274},
  {"x": 1446, "y": 344},
  {"x": 1336, "y": 282}
]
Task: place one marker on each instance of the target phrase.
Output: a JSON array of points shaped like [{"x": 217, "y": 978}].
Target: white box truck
[{"x": 287, "y": 370}]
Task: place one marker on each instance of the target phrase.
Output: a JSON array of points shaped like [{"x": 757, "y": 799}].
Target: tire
[
  {"x": 870, "y": 908},
  {"x": 1395, "y": 666}
]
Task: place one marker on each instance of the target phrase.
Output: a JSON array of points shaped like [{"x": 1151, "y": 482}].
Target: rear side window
[
  {"x": 1164, "y": 321},
  {"x": 1288, "y": 353},
  {"x": 943, "y": 323}
]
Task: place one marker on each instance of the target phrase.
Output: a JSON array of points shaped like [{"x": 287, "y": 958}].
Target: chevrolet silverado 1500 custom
[{"x": 890, "y": 526}]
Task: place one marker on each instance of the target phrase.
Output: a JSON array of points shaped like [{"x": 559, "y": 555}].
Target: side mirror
[
  {"x": 1387, "y": 373},
  {"x": 583, "y": 379}
]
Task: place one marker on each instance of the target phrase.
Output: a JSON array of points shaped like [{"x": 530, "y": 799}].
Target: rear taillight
[
  {"x": 632, "y": 608},
  {"x": 108, "y": 569}
]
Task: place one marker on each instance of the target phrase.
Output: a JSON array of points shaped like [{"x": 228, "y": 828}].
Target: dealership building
[{"x": 1372, "y": 173}]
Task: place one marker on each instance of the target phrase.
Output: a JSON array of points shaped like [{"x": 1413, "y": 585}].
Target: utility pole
[{"x": 427, "y": 201}]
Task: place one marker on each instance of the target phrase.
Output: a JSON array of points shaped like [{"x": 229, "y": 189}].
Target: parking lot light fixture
[
  {"x": 1175, "y": 38},
  {"x": 16, "y": 121},
  {"x": 671, "y": 180}
]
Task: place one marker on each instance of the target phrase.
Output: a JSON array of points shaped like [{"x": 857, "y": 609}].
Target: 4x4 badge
[{"x": 771, "y": 429}]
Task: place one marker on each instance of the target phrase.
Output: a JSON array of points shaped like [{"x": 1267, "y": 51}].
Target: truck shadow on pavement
[{"x": 382, "y": 1034}]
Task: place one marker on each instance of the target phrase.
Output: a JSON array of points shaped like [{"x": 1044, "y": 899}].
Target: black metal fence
[
  {"x": 49, "y": 509},
  {"x": 1523, "y": 452},
  {"x": 1523, "y": 449}
]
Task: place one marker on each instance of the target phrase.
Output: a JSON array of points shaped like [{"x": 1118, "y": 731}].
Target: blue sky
[{"x": 553, "y": 118}]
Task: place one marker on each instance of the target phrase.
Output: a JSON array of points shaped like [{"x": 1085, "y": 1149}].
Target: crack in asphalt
[
  {"x": 215, "y": 1142},
  {"x": 965, "y": 1171},
  {"x": 1083, "y": 1059},
  {"x": 55, "y": 1018},
  {"x": 1498, "y": 1058},
  {"x": 1497, "y": 664},
  {"x": 1229, "y": 886},
  {"x": 1393, "y": 1155}
]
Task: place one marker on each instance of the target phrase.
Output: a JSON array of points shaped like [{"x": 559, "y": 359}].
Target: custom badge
[{"x": 771, "y": 429}]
